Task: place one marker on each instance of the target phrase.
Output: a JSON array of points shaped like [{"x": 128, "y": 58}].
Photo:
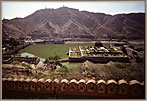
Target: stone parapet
[{"x": 91, "y": 88}]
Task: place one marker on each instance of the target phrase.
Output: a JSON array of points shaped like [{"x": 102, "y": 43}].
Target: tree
[
  {"x": 46, "y": 61},
  {"x": 98, "y": 44},
  {"x": 27, "y": 56},
  {"x": 22, "y": 38},
  {"x": 14, "y": 42},
  {"x": 65, "y": 70},
  {"x": 52, "y": 60}
]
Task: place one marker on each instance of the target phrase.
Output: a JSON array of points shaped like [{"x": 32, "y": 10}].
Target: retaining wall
[
  {"x": 11, "y": 52},
  {"x": 31, "y": 60},
  {"x": 83, "y": 89},
  {"x": 100, "y": 59}
]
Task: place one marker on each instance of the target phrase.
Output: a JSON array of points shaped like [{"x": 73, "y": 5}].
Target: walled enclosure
[
  {"x": 77, "y": 54},
  {"x": 90, "y": 88}
]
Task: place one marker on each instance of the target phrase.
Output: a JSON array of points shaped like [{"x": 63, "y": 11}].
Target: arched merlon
[
  {"x": 112, "y": 87},
  {"x": 101, "y": 87},
  {"x": 82, "y": 87},
  {"x": 40, "y": 85},
  {"x": 55, "y": 85},
  {"x": 33, "y": 85},
  {"x": 73, "y": 85},
  {"x": 135, "y": 88},
  {"x": 48, "y": 86},
  {"x": 64, "y": 87},
  {"x": 26, "y": 85},
  {"x": 123, "y": 87},
  {"x": 91, "y": 86}
]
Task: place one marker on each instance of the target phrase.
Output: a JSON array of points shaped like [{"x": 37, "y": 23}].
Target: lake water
[
  {"x": 67, "y": 64},
  {"x": 27, "y": 54},
  {"x": 30, "y": 55}
]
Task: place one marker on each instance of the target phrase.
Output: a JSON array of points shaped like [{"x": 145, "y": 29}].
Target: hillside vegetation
[{"x": 67, "y": 22}]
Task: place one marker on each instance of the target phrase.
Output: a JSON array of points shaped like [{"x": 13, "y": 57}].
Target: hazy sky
[{"x": 12, "y": 9}]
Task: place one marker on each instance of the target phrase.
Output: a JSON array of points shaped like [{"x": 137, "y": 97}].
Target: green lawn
[
  {"x": 72, "y": 65},
  {"x": 46, "y": 50}
]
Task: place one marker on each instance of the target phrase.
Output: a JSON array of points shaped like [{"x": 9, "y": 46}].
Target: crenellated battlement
[{"x": 82, "y": 88}]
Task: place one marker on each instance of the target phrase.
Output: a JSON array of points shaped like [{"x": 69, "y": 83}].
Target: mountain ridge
[{"x": 67, "y": 22}]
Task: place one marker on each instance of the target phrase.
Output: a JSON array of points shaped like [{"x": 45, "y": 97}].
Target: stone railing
[{"x": 85, "y": 89}]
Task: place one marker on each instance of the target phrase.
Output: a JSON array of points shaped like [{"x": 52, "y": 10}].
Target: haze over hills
[{"x": 67, "y": 22}]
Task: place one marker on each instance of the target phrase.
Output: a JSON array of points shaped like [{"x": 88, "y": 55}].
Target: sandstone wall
[{"x": 86, "y": 89}]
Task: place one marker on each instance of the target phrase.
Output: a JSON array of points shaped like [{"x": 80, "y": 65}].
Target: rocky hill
[{"x": 67, "y": 22}]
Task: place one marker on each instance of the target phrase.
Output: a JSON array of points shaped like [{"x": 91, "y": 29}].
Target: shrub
[
  {"x": 26, "y": 65},
  {"x": 98, "y": 44}
]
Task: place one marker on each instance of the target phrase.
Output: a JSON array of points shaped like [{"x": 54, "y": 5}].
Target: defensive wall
[
  {"x": 17, "y": 49},
  {"x": 80, "y": 89},
  {"x": 101, "y": 59},
  {"x": 31, "y": 60}
]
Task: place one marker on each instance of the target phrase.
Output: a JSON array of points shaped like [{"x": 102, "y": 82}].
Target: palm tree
[{"x": 53, "y": 60}]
